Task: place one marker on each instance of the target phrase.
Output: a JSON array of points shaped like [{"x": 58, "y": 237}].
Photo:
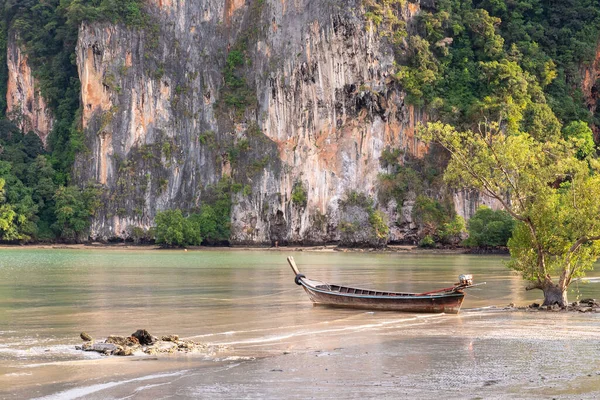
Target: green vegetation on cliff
[
  {"x": 505, "y": 77},
  {"x": 74, "y": 208},
  {"x": 299, "y": 195},
  {"x": 47, "y": 31},
  {"x": 209, "y": 225},
  {"x": 467, "y": 60},
  {"x": 37, "y": 201},
  {"x": 173, "y": 229},
  {"x": 360, "y": 223},
  {"x": 470, "y": 63},
  {"x": 33, "y": 205},
  {"x": 467, "y": 63}
]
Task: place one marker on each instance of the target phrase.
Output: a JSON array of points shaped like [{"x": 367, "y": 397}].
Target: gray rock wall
[
  {"x": 159, "y": 132},
  {"x": 25, "y": 105}
]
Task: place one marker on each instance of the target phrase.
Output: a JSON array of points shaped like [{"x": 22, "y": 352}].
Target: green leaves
[
  {"x": 171, "y": 228},
  {"x": 360, "y": 223},
  {"x": 507, "y": 92},
  {"x": 489, "y": 228},
  {"x": 74, "y": 209},
  {"x": 377, "y": 219},
  {"x": 450, "y": 232},
  {"x": 483, "y": 30},
  {"x": 237, "y": 93},
  {"x": 493, "y": 161},
  {"x": 492, "y": 59},
  {"x": 581, "y": 137},
  {"x": 8, "y": 219},
  {"x": 546, "y": 182},
  {"x": 421, "y": 73},
  {"x": 211, "y": 225},
  {"x": 299, "y": 195}
]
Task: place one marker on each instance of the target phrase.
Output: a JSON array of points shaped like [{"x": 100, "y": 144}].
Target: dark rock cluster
[
  {"x": 142, "y": 342},
  {"x": 585, "y": 305}
]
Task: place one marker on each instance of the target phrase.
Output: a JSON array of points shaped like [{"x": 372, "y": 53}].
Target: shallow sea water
[{"x": 277, "y": 344}]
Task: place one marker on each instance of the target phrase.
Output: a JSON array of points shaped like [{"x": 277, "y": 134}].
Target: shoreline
[{"x": 406, "y": 249}]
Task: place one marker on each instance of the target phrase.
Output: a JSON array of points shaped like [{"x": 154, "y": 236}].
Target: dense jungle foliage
[
  {"x": 484, "y": 58},
  {"x": 517, "y": 63},
  {"x": 37, "y": 200}
]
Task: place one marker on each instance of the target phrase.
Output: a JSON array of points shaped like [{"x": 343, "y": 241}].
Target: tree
[
  {"x": 583, "y": 137},
  {"x": 544, "y": 186},
  {"x": 450, "y": 232},
  {"x": 17, "y": 199},
  {"x": 8, "y": 216},
  {"x": 490, "y": 228},
  {"x": 173, "y": 229},
  {"x": 169, "y": 227},
  {"x": 430, "y": 214},
  {"x": 206, "y": 222},
  {"x": 40, "y": 178},
  {"x": 192, "y": 233},
  {"x": 74, "y": 209}
]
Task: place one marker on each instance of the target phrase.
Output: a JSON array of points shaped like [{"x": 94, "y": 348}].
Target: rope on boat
[{"x": 298, "y": 277}]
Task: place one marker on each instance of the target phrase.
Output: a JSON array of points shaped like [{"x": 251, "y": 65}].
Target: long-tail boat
[{"x": 447, "y": 300}]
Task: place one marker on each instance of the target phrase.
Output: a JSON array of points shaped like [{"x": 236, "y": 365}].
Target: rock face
[
  {"x": 591, "y": 87},
  {"x": 25, "y": 105},
  {"x": 320, "y": 107}
]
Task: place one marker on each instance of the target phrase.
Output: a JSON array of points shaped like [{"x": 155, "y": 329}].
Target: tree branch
[
  {"x": 533, "y": 285},
  {"x": 488, "y": 187},
  {"x": 504, "y": 171},
  {"x": 567, "y": 275},
  {"x": 582, "y": 240}
]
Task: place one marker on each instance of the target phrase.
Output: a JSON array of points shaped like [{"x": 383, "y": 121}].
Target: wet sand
[{"x": 477, "y": 354}]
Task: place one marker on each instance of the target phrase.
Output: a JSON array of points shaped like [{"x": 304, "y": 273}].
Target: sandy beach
[{"x": 481, "y": 354}]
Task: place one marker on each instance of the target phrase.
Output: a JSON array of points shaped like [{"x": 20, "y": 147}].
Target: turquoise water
[{"x": 59, "y": 293}]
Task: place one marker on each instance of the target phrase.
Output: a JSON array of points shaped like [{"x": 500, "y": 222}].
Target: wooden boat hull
[
  {"x": 447, "y": 300},
  {"x": 445, "y": 303}
]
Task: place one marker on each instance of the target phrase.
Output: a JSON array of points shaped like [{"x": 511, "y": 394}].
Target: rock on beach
[
  {"x": 142, "y": 342},
  {"x": 585, "y": 305}
]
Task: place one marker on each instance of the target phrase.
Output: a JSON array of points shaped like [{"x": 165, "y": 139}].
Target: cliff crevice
[{"x": 26, "y": 107}]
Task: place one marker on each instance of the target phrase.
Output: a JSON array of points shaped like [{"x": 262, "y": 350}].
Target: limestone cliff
[
  {"x": 591, "y": 88},
  {"x": 25, "y": 105},
  {"x": 320, "y": 109}
]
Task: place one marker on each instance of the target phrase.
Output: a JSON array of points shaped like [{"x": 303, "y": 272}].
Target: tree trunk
[{"x": 553, "y": 294}]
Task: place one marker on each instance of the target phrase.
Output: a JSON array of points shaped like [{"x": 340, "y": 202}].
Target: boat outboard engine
[{"x": 465, "y": 280}]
